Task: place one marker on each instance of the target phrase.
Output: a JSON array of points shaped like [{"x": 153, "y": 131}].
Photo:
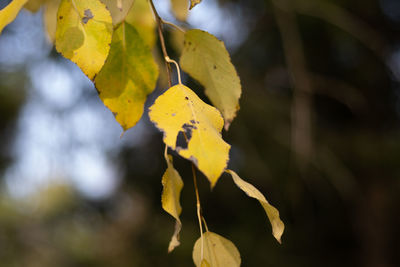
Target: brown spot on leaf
[
  {"x": 60, "y": 17},
  {"x": 215, "y": 67},
  {"x": 186, "y": 98}
]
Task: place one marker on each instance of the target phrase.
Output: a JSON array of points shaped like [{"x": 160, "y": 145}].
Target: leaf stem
[
  {"x": 198, "y": 205},
  {"x": 177, "y": 68},
  {"x": 162, "y": 41},
  {"x": 172, "y": 25}
]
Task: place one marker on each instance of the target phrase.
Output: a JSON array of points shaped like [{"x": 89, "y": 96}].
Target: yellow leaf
[
  {"x": 83, "y": 34},
  {"x": 204, "y": 263},
  {"x": 192, "y": 128},
  {"x": 193, "y": 3},
  {"x": 141, "y": 17},
  {"x": 205, "y": 58},
  {"x": 118, "y": 9},
  {"x": 128, "y": 76},
  {"x": 50, "y": 18},
  {"x": 172, "y": 187},
  {"x": 180, "y": 8},
  {"x": 10, "y": 12},
  {"x": 272, "y": 212},
  {"x": 217, "y": 252}
]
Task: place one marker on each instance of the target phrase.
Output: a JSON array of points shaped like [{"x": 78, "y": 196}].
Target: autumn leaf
[
  {"x": 118, "y": 9},
  {"x": 193, "y": 3},
  {"x": 216, "y": 251},
  {"x": 50, "y": 18},
  {"x": 272, "y": 213},
  {"x": 10, "y": 12},
  {"x": 192, "y": 128},
  {"x": 172, "y": 187},
  {"x": 206, "y": 59},
  {"x": 83, "y": 34},
  {"x": 141, "y": 17},
  {"x": 128, "y": 76},
  {"x": 180, "y": 8}
]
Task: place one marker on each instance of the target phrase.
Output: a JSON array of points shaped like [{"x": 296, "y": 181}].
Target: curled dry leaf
[
  {"x": 172, "y": 187},
  {"x": 272, "y": 213}
]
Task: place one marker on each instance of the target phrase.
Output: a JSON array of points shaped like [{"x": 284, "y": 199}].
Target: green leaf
[
  {"x": 128, "y": 76},
  {"x": 10, "y": 12},
  {"x": 118, "y": 9},
  {"x": 141, "y": 17},
  {"x": 83, "y": 34},
  {"x": 206, "y": 59},
  {"x": 192, "y": 128},
  {"x": 193, "y": 3},
  {"x": 272, "y": 213},
  {"x": 217, "y": 252},
  {"x": 180, "y": 8},
  {"x": 172, "y": 187}
]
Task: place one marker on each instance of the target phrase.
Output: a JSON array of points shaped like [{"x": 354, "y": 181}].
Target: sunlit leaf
[
  {"x": 128, "y": 76},
  {"x": 50, "y": 18},
  {"x": 192, "y": 128},
  {"x": 217, "y": 251},
  {"x": 193, "y": 3},
  {"x": 272, "y": 212},
  {"x": 180, "y": 8},
  {"x": 141, "y": 17},
  {"x": 10, "y": 12},
  {"x": 205, "y": 58},
  {"x": 172, "y": 187},
  {"x": 118, "y": 9},
  {"x": 83, "y": 35}
]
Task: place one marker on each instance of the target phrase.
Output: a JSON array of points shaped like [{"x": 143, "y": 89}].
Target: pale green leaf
[
  {"x": 272, "y": 213},
  {"x": 180, "y": 8},
  {"x": 217, "y": 252},
  {"x": 172, "y": 187},
  {"x": 10, "y": 12},
  {"x": 141, "y": 17},
  {"x": 128, "y": 76},
  {"x": 193, "y": 3},
  {"x": 50, "y": 18},
  {"x": 83, "y": 34},
  {"x": 206, "y": 59},
  {"x": 118, "y": 9},
  {"x": 193, "y": 129}
]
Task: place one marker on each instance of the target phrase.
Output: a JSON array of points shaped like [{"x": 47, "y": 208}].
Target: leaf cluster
[{"x": 112, "y": 42}]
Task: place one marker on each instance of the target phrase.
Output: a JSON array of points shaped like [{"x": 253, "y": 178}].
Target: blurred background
[{"x": 318, "y": 133}]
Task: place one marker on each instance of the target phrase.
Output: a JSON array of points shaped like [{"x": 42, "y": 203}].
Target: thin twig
[{"x": 162, "y": 41}]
